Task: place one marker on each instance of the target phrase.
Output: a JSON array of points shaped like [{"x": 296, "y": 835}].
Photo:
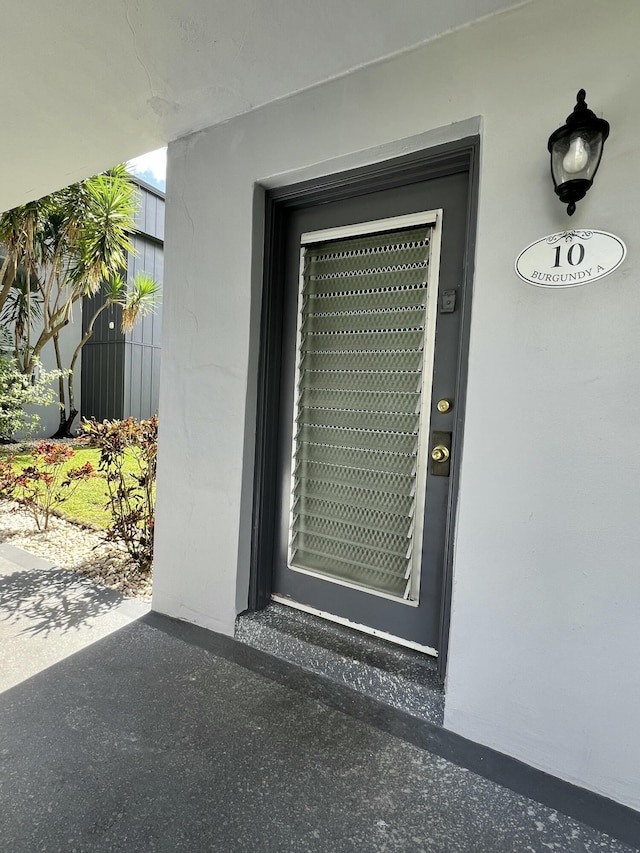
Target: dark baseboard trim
[{"x": 595, "y": 810}]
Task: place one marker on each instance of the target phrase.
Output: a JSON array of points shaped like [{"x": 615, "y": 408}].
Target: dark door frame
[{"x": 459, "y": 156}]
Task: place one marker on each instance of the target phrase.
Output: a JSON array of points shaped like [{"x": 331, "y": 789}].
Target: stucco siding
[{"x": 546, "y": 583}]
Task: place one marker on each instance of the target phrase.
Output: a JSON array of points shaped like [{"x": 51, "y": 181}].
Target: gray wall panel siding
[
  {"x": 146, "y": 402},
  {"x": 121, "y": 373},
  {"x": 102, "y": 380},
  {"x": 155, "y": 378},
  {"x": 101, "y": 331},
  {"x": 150, "y": 217},
  {"x": 141, "y": 380},
  {"x": 159, "y": 224}
]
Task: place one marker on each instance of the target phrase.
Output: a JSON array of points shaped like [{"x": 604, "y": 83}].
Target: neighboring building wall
[
  {"x": 121, "y": 373},
  {"x": 102, "y": 363},
  {"x": 546, "y": 584}
]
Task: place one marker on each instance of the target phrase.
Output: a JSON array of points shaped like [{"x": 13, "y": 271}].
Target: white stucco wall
[
  {"x": 69, "y": 339},
  {"x": 545, "y": 626}
]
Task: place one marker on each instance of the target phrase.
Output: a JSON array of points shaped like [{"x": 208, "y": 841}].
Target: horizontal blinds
[{"x": 362, "y": 330}]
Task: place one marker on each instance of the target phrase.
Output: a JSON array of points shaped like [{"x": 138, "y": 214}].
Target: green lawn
[{"x": 87, "y": 503}]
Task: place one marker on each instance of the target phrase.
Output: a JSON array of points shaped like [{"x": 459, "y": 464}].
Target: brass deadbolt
[
  {"x": 444, "y": 406},
  {"x": 440, "y": 453}
]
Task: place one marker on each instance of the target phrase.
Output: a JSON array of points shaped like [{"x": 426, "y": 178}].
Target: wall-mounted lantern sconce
[{"x": 576, "y": 149}]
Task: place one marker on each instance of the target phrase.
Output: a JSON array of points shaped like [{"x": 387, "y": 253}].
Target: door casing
[{"x": 448, "y": 159}]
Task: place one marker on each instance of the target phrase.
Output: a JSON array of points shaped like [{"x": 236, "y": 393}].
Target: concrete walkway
[
  {"x": 120, "y": 733},
  {"x": 48, "y": 613}
]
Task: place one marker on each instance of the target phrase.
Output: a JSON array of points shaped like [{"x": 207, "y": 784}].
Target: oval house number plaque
[{"x": 570, "y": 258}]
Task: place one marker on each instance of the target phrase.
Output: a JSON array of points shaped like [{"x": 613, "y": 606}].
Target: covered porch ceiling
[{"x": 86, "y": 84}]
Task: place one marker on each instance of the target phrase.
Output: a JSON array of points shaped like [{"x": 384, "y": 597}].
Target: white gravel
[{"x": 76, "y": 548}]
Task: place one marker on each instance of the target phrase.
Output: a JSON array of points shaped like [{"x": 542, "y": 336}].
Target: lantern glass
[{"x": 576, "y": 156}]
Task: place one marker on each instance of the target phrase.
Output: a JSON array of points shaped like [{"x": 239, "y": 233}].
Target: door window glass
[{"x": 357, "y": 466}]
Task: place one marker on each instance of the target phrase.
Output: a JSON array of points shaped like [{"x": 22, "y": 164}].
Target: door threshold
[
  {"x": 395, "y": 675},
  {"x": 365, "y": 629}
]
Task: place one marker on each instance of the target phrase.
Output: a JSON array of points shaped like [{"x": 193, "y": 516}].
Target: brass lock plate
[{"x": 440, "y": 462}]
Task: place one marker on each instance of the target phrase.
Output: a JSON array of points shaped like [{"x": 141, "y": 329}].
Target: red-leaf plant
[
  {"x": 132, "y": 494},
  {"x": 43, "y": 486}
]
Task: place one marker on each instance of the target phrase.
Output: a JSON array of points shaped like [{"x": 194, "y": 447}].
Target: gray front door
[{"x": 368, "y": 404}]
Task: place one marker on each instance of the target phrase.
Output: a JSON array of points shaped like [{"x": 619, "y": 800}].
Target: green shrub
[
  {"x": 132, "y": 494},
  {"x": 18, "y": 391}
]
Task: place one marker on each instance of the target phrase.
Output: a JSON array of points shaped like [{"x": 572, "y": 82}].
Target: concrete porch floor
[{"x": 125, "y": 731}]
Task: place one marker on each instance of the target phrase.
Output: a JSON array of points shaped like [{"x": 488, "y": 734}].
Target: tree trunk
[
  {"x": 61, "y": 397},
  {"x": 64, "y": 430}
]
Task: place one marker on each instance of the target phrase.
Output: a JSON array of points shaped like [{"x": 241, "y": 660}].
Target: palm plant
[
  {"x": 83, "y": 240},
  {"x": 68, "y": 245},
  {"x": 141, "y": 298},
  {"x": 138, "y": 297},
  {"x": 18, "y": 230},
  {"x": 23, "y": 304}
]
